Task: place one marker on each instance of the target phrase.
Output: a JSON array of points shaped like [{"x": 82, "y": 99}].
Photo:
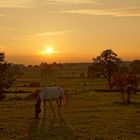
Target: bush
[
  {"x": 34, "y": 84},
  {"x": 2, "y": 96}
]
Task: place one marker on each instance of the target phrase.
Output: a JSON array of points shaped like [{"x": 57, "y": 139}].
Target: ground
[{"x": 86, "y": 116}]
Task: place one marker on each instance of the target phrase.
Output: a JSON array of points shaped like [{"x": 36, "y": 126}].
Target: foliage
[
  {"x": 126, "y": 83},
  {"x": 105, "y": 65},
  {"x": 34, "y": 84},
  {"x": 3, "y": 72},
  {"x": 2, "y": 96},
  {"x": 92, "y": 71},
  {"x": 124, "y": 69},
  {"x": 7, "y": 73},
  {"x": 135, "y": 66},
  {"x": 46, "y": 69}
]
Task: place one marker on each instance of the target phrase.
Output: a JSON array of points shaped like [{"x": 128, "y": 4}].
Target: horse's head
[
  {"x": 37, "y": 110},
  {"x": 37, "y": 104}
]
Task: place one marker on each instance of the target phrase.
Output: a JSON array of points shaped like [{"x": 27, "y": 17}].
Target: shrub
[
  {"x": 2, "y": 96},
  {"x": 34, "y": 84}
]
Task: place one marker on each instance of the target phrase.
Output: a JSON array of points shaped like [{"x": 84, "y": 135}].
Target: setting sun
[{"x": 48, "y": 50}]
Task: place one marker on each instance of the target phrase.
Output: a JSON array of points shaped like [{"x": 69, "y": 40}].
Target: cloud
[
  {"x": 2, "y": 15},
  {"x": 118, "y": 12},
  {"x": 15, "y": 3},
  {"x": 67, "y": 2},
  {"x": 7, "y": 29},
  {"x": 8, "y": 16},
  {"x": 54, "y": 33},
  {"x": 7, "y": 32},
  {"x": 75, "y": 1}
]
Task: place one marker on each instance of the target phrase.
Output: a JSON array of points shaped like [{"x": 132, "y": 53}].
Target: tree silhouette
[
  {"x": 135, "y": 66},
  {"x": 7, "y": 74},
  {"x": 105, "y": 65},
  {"x": 126, "y": 83},
  {"x": 46, "y": 69}
]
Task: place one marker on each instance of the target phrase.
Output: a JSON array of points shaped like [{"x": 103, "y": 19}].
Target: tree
[
  {"x": 126, "y": 83},
  {"x": 105, "y": 65},
  {"x": 124, "y": 69},
  {"x": 92, "y": 71},
  {"x": 3, "y": 68},
  {"x": 7, "y": 74},
  {"x": 46, "y": 69},
  {"x": 135, "y": 66}
]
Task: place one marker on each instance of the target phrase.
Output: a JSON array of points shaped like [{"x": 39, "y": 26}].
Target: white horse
[{"x": 55, "y": 93}]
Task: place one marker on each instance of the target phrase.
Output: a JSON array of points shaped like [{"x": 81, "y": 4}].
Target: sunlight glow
[{"x": 47, "y": 51}]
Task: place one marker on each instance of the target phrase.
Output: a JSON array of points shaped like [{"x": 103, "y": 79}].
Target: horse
[{"x": 49, "y": 94}]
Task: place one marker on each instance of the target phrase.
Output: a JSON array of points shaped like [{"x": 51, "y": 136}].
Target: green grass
[
  {"x": 99, "y": 116},
  {"x": 13, "y": 96}
]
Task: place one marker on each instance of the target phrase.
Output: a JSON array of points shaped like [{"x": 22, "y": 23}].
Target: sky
[{"x": 74, "y": 30}]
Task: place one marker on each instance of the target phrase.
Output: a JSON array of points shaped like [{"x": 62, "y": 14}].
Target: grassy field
[{"x": 88, "y": 115}]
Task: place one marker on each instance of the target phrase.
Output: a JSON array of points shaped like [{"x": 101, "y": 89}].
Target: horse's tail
[{"x": 65, "y": 100}]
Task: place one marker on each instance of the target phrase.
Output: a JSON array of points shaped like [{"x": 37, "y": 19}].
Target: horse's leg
[
  {"x": 52, "y": 107},
  {"x": 44, "y": 108},
  {"x": 59, "y": 105},
  {"x": 60, "y": 101},
  {"x": 57, "y": 101}
]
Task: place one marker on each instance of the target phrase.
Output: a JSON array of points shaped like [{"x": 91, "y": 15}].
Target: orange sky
[{"x": 76, "y": 30}]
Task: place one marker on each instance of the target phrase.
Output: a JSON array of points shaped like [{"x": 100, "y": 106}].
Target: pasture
[{"x": 88, "y": 115}]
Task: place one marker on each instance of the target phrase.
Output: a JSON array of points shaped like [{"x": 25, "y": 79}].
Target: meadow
[{"x": 87, "y": 115}]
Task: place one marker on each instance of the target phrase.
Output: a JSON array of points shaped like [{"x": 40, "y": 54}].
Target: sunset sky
[{"x": 32, "y": 31}]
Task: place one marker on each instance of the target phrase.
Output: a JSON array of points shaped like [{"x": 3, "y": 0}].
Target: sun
[{"x": 48, "y": 50}]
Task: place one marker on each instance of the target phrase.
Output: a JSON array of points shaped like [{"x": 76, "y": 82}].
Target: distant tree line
[{"x": 44, "y": 68}]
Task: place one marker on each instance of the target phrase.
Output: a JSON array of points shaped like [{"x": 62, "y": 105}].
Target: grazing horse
[{"x": 55, "y": 93}]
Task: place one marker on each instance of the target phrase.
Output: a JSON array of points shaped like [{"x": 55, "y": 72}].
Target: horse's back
[
  {"x": 51, "y": 93},
  {"x": 61, "y": 90}
]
